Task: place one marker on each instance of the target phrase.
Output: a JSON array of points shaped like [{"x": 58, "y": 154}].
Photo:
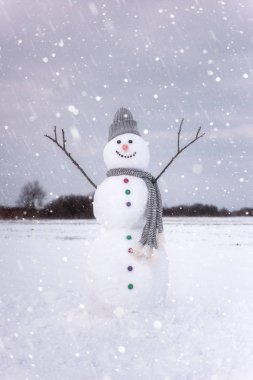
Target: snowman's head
[
  {"x": 125, "y": 147},
  {"x": 127, "y": 150}
]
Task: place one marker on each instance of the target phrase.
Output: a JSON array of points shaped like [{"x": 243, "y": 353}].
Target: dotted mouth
[{"x": 122, "y": 155}]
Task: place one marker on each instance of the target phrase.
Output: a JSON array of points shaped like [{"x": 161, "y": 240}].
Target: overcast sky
[{"x": 73, "y": 63}]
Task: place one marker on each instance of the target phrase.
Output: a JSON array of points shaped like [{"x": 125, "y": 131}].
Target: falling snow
[{"x": 72, "y": 64}]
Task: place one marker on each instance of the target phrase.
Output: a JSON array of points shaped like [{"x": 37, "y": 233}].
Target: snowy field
[{"x": 206, "y": 331}]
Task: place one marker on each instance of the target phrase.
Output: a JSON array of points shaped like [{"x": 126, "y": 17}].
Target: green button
[
  {"x": 127, "y": 192},
  {"x": 130, "y": 286},
  {"x": 129, "y": 237}
]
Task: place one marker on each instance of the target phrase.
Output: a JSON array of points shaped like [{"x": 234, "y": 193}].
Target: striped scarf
[{"x": 154, "y": 223}]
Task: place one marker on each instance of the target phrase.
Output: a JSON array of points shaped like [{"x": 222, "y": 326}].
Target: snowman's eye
[
  {"x": 130, "y": 141},
  {"x": 118, "y": 141}
]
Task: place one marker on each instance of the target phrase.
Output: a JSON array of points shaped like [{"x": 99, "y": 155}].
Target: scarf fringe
[
  {"x": 146, "y": 251},
  {"x": 160, "y": 239},
  {"x": 143, "y": 251}
]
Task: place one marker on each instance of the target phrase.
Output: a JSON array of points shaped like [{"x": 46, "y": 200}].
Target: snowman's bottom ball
[{"x": 115, "y": 277}]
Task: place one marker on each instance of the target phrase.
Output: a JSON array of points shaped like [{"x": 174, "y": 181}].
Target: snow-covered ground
[{"x": 206, "y": 331}]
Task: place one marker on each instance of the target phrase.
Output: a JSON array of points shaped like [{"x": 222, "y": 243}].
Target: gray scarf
[{"x": 154, "y": 210}]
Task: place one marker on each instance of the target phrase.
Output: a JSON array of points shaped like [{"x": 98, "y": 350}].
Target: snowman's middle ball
[{"x": 126, "y": 151}]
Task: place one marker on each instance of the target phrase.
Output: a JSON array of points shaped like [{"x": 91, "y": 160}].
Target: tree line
[{"x": 32, "y": 195}]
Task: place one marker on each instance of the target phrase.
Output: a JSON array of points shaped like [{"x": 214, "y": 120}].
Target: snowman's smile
[{"x": 122, "y": 155}]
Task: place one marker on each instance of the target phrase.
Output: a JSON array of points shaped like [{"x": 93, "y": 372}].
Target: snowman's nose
[{"x": 125, "y": 147}]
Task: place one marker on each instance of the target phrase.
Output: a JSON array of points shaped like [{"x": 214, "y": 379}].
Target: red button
[
  {"x": 130, "y": 250},
  {"x": 126, "y": 180}
]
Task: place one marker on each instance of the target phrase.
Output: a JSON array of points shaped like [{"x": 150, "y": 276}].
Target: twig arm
[
  {"x": 63, "y": 148},
  {"x": 178, "y": 135},
  {"x": 180, "y": 150},
  {"x": 63, "y": 140}
]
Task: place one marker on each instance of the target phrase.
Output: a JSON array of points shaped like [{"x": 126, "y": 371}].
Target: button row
[
  {"x": 129, "y": 237},
  {"x": 127, "y": 191},
  {"x": 130, "y": 267}
]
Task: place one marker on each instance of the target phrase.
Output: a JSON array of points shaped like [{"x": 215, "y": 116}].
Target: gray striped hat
[{"x": 123, "y": 122}]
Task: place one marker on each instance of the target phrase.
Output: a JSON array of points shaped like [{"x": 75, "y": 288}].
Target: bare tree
[{"x": 31, "y": 195}]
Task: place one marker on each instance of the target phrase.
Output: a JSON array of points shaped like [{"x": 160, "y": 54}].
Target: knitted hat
[{"x": 123, "y": 122}]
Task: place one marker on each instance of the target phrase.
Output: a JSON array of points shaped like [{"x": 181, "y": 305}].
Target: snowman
[{"x": 127, "y": 264}]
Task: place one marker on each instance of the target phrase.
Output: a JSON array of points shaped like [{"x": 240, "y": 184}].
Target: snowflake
[
  {"x": 73, "y": 110},
  {"x": 121, "y": 349},
  {"x": 157, "y": 324}
]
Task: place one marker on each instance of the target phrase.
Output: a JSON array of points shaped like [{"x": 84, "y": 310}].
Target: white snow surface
[{"x": 205, "y": 331}]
